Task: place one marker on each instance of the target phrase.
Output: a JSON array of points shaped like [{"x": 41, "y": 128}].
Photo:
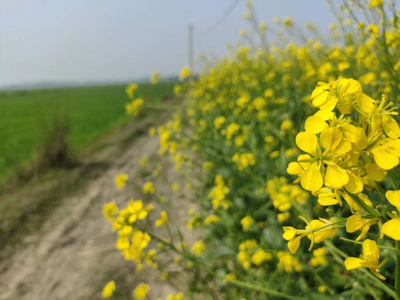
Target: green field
[{"x": 27, "y": 116}]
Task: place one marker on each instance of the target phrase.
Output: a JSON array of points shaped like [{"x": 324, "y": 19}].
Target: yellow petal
[
  {"x": 353, "y": 205},
  {"x": 319, "y": 95},
  {"x": 142, "y": 214},
  {"x": 307, "y": 142},
  {"x": 354, "y": 223},
  {"x": 289, "y": 233},
  {"x": 350, "y": 132},
  {"x": 315, "y": 124},
  {"x": 347, "y": 86},
  {"x": 335, "y": 177},
  {"x": 294, "y": 244},
  {"x": 354, "y": 185},
  {"x": 374, "y": 172},
  {"x": 312, "y": 178},
  {"x": 370, "y": 249},
  {"x": 392, "y": 228},
  {"x": 394, "y": 198},
  {"x": 327, "y": 197},
  {"x": 390, "y": 127},
  {"x": 352, "y": 263},
  {"x": 361, "y": 140},
  {"x": 364, "y": 231},
  {"x": 366, "y": 103},
  {"x": 384, "y": 159},
  {"x": 332, "y": 140},
  {"x": 376, "y": 124},
  {"x": 294, "y": 168},
  {"x": 330, "y": 104},
  {"x": 324, "y": 114}
]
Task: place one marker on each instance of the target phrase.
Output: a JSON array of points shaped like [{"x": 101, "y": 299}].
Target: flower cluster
[{"x": 351, "y": 144}]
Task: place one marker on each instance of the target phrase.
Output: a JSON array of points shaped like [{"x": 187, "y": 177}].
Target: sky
[{"x": 87, "y": 41}]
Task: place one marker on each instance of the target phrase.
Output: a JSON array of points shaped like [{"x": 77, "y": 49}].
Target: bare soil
[{"x": 72, "y": 255}]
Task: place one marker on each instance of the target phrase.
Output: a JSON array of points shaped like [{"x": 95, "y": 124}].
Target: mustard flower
[
  {"x": 246, "y": 223},
  {"x": 154, "y": 77},
  {"x": 108, "y": 290},
  {"x": 369, "y": 259},
  {"x": 120, "y": 180},
  {"x": 141, "y": 291},
  {"x": 185, "y": 73},
  {"x": 198, "y": 247},
  {"x": 163, "y": 219},
  {"x": 392, "y": 227},
  {"x": 148, "y": 188},
  {"x": 130, "y": 89}
]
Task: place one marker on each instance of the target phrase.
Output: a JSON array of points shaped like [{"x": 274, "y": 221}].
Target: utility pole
[{"x": 191, "y": 55}]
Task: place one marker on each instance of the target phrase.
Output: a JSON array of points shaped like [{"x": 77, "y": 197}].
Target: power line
[{"x": 221, "y": 19}]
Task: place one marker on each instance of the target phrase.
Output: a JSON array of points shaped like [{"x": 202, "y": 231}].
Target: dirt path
[{"x": 72, "y": 256}]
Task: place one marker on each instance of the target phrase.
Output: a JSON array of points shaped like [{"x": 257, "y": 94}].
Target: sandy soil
[{"x": 72, "y": 256}]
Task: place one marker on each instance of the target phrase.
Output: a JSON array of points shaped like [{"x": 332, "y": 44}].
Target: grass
[
  {"x": 89, "y": 112},
  {"x": 23, "y": 210}
]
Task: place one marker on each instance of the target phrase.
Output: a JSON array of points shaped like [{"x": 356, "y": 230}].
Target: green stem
[
  {"x": 360, "y": 243},
  {"x": 377, "y": 282},
  {"x": 397, "y": 272}
]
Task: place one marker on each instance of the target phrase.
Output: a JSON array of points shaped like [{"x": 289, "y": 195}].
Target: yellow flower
[
  {"x": 287, "y": 125},
  {"x": 259, "y": 103},
  {"x": 288, "y": 22},
  {"x": 268, "y": 93},
  {"x": 342, "y": 93},
  {"x": 130, "y": 89},
  {"x": 247, "y": 222},
  {"x": 136, "y": 211},
  {"x": 132, "y": 108},
  {"x": 175, "y": 187},
  {"x": 141, "y": 291},
  {"x": 178, "y": 296},
  {"x": 316, "y": 231},
  {"x": 211, "y": 219},
  {"x": 288, "y": 262},
  {"x": 260, "y": 256},
  {"x": 309, "y": 167},
  {"x": 244, "y": 160},
  {"x": 282, "y": 217},
  {"x": 231, "y": 130},
  {"x": 218, "y": 122},
  {"x": 185, "y": 73},
  {"x": 163, "y": 219},
  {"x": 198, "y": 248},
  {"x": 120, "y": 180},
  {"x": 154, "y": 77},
  {"x": 246, "y": 250},
  {"x": 317, "y": 234},
  {"x": 110, "y": 210},
  {"x": 392, "y": 227},
  {"x": 148, "y": 188},
  {"x": 322, "y": 289},
  {"x": 318, "y": 258},
  {"x": 369, "y": 259},
  {"x": 356, "y": 222},
  {"x": 386, "y": 153},
  {"x": 108, "y": 290}
]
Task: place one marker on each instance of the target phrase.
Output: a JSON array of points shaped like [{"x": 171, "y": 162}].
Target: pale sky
[{"x": 121, "y": 40}]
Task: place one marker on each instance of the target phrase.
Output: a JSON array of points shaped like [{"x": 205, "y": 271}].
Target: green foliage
[{"x": 89, "y": 112}]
